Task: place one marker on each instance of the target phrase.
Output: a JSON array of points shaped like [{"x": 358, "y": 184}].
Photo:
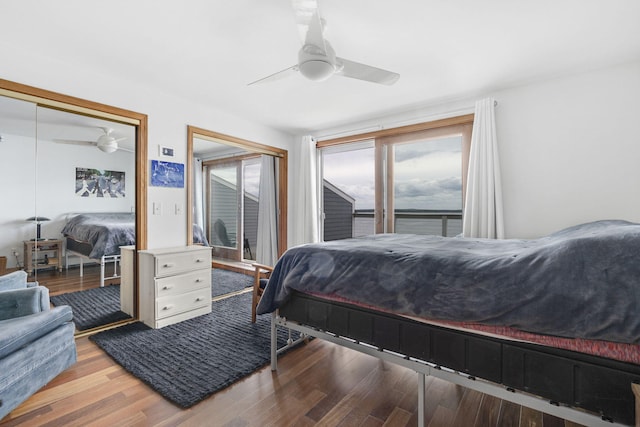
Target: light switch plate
[
  {"x": 165, "y": 151},
  {"x": 157, "y": 208}
]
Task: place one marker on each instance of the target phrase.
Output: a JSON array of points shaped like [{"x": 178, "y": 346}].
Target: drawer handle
[
  {"x": 167, "y": 307},
  {"x": 167, "y": 287},
  {"x": 168, "y": 265},
  {"x": 199, "y": 260},
  {"x": 198, "y": 280},
  {"x": 198, "y": 299}
]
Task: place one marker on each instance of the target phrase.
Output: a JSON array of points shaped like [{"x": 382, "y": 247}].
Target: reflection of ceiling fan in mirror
[{"x": 105, "y": 142}]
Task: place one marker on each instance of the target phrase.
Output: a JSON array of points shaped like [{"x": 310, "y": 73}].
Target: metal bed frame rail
[
  {"x": 104, "y": 260},
  {"x": 423, "y": 369},
  {"x": 570, "y": 385}
]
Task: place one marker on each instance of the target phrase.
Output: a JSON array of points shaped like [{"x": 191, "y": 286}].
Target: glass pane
[
  {"x": 251, "y": 176},
  {"x": 348, "y": 192},
  {"x": 427, "y": 188},
  {"x": 224, "y": 206},
  {"x": 18, "y": 175}
]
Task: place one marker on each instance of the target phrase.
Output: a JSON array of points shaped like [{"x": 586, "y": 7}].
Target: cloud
[
  {"x": 444, "y": 193},
  {"x": 420, "y": 151}
]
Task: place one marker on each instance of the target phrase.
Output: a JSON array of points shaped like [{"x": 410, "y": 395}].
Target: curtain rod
[{"x": 414, "y": 120}]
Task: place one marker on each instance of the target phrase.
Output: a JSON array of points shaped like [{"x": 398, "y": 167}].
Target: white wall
[
  {"x": 168, "y": 120},
  {"x": 46, "y": 187},
  {"x": 570, "y": 150},
  {"x": 569, "y": 147},
  {"x": 18, "y": 203},
  {"x": 56, "y": 180}
]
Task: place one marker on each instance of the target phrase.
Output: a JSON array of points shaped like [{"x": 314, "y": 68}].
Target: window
[
  {"x": 348, "y": 190},
  {"x": 233, "y": 189},
  {"x": 403, "y": 180}
]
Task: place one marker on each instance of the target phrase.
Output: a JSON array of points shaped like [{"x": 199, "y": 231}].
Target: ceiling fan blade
[
  {"x": 125, "y": 149},
  {"x": 356, "y": 70},
  {"x": 74, "y": 142},
  {"x": 277, "y": 76}
]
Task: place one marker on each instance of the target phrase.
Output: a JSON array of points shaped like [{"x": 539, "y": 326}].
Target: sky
[{"x": 427, "y": 174}]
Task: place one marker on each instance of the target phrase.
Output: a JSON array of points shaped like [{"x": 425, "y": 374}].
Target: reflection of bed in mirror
[{"x": 97, "y": 237}]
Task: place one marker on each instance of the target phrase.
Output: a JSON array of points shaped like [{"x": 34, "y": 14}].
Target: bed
[
  {"x": 549, "y": 323},
  {"x": 97, "y": 237}
]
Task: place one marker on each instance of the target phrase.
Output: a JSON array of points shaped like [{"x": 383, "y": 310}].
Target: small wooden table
[{"x": 51, "y": 256}]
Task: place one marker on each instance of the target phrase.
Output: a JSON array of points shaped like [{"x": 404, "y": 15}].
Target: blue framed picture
[{"x": 167, "y": 174}]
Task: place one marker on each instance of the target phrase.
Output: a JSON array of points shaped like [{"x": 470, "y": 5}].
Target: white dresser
[{"x": 175, "y": 284}]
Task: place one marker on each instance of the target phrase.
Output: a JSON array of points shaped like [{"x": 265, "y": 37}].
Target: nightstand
[{"x": 45, "y": 253}]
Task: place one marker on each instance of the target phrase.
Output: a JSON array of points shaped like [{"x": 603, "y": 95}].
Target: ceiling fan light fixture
[
  {"x": 107, "y": 144},
  {"x": 317, "y": 70}
]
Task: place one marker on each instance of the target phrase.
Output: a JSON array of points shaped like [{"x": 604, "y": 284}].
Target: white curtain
[
  {"x": 304, "y": 201},
  {"x": 267, "y": 244},
  {"x": 198, "y": 194},
  {"x": 483, "y": 211}
]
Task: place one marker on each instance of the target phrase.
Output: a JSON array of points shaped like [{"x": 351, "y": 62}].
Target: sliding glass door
[
  {"x": 424, "y": 187},
  {"x": 232, "y": 188},
  {"x": 224, "y": 209},
  {"x": 409, "y": 183}
]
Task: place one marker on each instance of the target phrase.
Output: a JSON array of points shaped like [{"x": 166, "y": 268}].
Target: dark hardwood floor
[
  {"x": 70, "y": 280},
  {"x": 317, "y": 384}
]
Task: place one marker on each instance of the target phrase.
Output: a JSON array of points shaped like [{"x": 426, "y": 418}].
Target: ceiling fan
[
  {"x": 106, "y": 142},
  {"x": 317, "y": 60}
]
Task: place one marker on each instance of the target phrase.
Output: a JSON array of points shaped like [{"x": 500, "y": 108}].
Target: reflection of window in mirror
[
  {"x": 71, "y": 166},
  {"x": 237, "y": 197}
]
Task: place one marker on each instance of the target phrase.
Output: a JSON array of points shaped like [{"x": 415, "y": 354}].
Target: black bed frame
[{"x": 563, "y": 378}]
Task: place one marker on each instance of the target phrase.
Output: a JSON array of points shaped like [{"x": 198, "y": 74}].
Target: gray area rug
[
  {"x": 93, "y": 307},
  {"x": 101, "y": 306},
  {"x": 225, "y": 282},
  {"x": 188, "y": 361}
]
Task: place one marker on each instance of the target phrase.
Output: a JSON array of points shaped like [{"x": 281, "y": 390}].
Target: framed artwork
[
  {"x": 167, "y": 174},
  {"x": 99, "y": 183}
]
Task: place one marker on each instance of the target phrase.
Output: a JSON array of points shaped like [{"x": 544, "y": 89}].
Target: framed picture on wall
[
  {"x": 167, "y": 174},
  {"x": 99, "y": 183}
]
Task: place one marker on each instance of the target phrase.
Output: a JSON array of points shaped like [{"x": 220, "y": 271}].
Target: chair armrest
[
  {"x": 13, "y": 280},
  {"x": 259, "y": 266},
  {"x": 18, "y": 332},
  {"x": 23, "y": 302}
]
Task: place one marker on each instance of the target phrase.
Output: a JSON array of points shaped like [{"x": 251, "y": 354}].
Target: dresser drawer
[
  {"x": 168, "y": 264},
  {"x": 174, "y": 304},
  {"x": 182, "y": 283}
]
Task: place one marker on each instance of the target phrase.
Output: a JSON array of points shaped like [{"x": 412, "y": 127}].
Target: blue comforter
[
  {"x": 582, "y": 282},
  {"x": 106, "y": 232}
]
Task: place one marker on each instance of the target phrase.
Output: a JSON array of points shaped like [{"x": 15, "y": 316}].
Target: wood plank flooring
[
  {"x": 70, "y": 280},
  {"x": 317, "y": 384}
]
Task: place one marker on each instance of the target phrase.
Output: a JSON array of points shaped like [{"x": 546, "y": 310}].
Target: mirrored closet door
[
  {"x": 237, "y": 197},
  {"x": 73, "y": 177}
]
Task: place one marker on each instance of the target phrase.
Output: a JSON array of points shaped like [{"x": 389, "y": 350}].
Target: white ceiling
[{"x": 209, "y": 50}]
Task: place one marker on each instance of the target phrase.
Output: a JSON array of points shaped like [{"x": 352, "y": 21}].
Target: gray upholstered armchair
[{"x": 36, "y": 342}]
